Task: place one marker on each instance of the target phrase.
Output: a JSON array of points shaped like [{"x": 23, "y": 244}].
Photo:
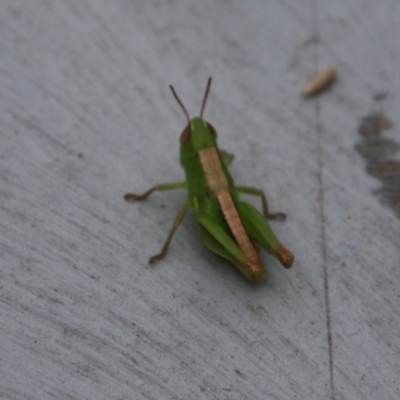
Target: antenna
[
  {"x": 205, "y": 97},
  {"x": 180, "y": 103}
]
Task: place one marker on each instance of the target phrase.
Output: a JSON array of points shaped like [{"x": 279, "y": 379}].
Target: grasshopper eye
[
  {"x": 185, "y": 135},
  {"x": 212, "y": 129}
]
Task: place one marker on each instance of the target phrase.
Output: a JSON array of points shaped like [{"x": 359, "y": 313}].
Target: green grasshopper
[{"x": 226, "y": 225}]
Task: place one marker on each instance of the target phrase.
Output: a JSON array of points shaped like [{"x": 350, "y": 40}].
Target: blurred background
[{"x": 87, "y": 115}]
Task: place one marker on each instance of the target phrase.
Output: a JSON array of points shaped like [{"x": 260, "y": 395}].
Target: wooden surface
[{"x": 87, "y": 115}]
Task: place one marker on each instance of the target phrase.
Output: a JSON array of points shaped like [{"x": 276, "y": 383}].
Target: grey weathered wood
[{"x": 86, "y": 115}]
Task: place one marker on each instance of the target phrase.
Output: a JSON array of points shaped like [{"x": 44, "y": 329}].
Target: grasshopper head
[{"x": 198, "y": 134}]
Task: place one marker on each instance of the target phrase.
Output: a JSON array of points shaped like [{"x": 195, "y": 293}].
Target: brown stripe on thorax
[
  {"x": 212, "y": 167},
  {"x": 218, "y": 184}
]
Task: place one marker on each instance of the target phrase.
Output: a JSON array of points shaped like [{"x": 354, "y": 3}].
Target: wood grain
[{"x": 87, "y": 115}]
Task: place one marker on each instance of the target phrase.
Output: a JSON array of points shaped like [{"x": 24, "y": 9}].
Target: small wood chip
[{"x": 321, "y": 82}]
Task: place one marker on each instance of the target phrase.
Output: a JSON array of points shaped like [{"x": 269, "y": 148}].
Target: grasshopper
[{"x": 227, "y": 225}]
